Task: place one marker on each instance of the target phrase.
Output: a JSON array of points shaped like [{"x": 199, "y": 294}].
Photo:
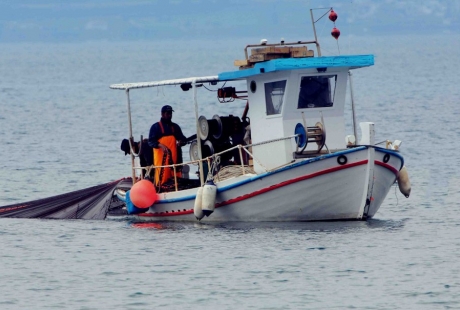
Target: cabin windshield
[
  {"x": 316, "y": 91},
  {"x": 274, "y": 96}
]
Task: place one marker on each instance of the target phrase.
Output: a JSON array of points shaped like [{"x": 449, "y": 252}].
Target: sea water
[{"x": 61, "y": 128}]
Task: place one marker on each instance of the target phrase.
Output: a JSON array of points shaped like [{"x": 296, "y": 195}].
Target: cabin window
[
  {"x": 316, "y": 91},
  {"x": 274, "y": 96}
]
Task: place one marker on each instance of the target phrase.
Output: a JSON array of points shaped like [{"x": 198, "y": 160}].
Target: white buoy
[
  {"x": 404, "y": 182},
  {"x": 350, "y": 140},
  {"x": 208, "y": 202},
  {"x": 197, "y": 207}
]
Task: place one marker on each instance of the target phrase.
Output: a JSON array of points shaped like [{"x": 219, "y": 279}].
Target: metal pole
[
  {"x": 241, "y": 158},
  {"x": 314, "y": 32},
  {"x": 175, "y": 177},
  {"x": 198, "y": 140},
  {"x": 353, "y": 106},
  {"x": 133, "y": 172}
]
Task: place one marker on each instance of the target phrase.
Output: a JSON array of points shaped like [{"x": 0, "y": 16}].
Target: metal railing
[{"x": 210, "y": 159}]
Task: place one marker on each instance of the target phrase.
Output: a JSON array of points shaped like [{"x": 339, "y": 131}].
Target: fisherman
[{"x": 166, "y": 139}]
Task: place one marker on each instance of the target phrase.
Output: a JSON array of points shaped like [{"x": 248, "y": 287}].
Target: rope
[
  {"x": 148, "y": 170},
  {"x": 215, "y": 163},
  {"x": 269, "y": 141}
]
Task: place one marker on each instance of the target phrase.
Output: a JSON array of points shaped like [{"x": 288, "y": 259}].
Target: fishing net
[{"x": 93, "y": 203}]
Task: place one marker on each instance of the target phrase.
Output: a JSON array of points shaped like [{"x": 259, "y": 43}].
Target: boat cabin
[{"x": 287, "y": 91}]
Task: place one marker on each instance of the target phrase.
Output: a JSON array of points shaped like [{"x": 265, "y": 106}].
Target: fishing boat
[{"x": 288, "y": 156}]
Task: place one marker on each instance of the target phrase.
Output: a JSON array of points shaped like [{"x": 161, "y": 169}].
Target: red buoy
[
  {"x": 335, "y": 33},
  {"x": 333, "y": 15},
  {"x": 143, "y": 194},
  {"x": 147, "y": 225}
]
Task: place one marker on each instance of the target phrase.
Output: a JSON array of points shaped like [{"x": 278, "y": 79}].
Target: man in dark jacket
[
  {"x": 165, "y": 127},
  {"x": 166, "y": 139}
]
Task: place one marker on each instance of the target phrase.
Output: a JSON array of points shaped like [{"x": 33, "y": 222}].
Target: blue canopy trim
[{"x": 282, "y": 64}]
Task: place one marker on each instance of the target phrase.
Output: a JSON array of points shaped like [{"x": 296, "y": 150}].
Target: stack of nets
[
  {"x": 228, "y": 172},
  {"x": 92, "y": 203}
]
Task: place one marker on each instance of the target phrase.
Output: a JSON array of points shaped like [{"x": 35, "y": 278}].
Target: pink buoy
[{"x": 143, "y": 194}]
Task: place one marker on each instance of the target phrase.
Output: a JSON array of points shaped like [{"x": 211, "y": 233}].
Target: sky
[{"x": 125, "y": 20}]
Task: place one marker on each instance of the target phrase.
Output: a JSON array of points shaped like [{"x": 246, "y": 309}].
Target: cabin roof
[{"x": 282, "y": 64}]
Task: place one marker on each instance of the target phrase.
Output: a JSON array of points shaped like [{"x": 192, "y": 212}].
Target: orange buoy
[
  {"x": 333, "y": 15},
  {"x": 143, "y": 194},
  {"x": 335, "y": 33}
]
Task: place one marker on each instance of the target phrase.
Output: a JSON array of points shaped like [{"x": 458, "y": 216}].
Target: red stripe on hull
[
  {"x": 264, "y": 190},
  {"x": 288, "y": 182},
  {"x": 392, "y": 169}
]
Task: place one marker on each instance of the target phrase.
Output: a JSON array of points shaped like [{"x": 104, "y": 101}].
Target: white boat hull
[
  {"x": 295, "y": 108},
  {"x": 307, "y": 190},
  {"x": 387, "y": 166}
]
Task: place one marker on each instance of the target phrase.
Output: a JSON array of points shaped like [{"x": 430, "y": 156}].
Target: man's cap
[
  {"x": 125, "y": 146},
  {"x": 167, "y": 108}
]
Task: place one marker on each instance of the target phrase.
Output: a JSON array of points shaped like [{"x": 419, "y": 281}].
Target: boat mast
[{"x": 318, "y": 48}]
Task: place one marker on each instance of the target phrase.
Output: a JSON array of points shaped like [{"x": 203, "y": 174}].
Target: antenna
[{"x": 335, "y": 31}]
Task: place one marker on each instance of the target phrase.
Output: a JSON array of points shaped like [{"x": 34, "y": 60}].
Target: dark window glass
[{"x": 316, "y": 91}]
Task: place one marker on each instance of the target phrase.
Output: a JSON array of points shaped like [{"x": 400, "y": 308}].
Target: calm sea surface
[{"x": 60, "y": 131}]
